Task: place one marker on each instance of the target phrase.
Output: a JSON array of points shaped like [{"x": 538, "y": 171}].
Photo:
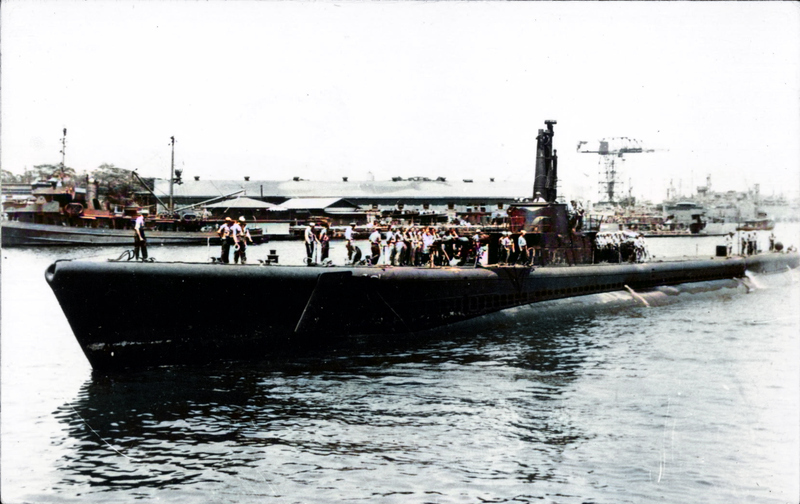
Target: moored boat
[
  {"x": 28, "y": 234},
  {"x": 58, "y": 212},
  {"x": 763, "y": 224}
]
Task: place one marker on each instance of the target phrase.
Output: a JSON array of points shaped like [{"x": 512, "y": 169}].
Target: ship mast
[
  {"x": 63, "y": 153},
  {"x": 172, "y": 178}
]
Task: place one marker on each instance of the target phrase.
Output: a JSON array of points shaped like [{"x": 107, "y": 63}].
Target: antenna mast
[
  {"x": 172, "y": 178},
  {"x": 63, "y": 152}
]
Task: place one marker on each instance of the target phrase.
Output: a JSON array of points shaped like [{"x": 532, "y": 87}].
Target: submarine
[{"x": 124, "y": 313}]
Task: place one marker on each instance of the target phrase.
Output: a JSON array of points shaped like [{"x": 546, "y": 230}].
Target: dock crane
[{"x": 611, "y": 151}]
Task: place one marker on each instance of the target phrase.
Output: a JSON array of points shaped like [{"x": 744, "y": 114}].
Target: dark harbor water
[{"x": 695, "y": 398}]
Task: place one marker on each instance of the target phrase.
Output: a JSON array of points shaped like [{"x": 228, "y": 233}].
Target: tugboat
[{"x": 295, "y": 307}]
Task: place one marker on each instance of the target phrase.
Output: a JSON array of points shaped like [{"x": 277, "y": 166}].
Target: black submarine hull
[{"x": 132, "y": 315}]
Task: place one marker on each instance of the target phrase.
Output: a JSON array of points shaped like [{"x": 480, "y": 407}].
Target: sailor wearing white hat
[
  {"x": 348, "y": 241},
  {"x": 139, "y": 240},
  {"x": 309, "y": 239},
  {"x": 241, "y": 236},
  {"x": 224, "y": 233}
]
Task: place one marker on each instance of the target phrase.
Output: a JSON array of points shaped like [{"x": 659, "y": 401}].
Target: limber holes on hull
[{"x": 471, "y": 305}]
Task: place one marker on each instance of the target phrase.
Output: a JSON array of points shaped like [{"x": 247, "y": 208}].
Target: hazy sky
[{"x": 322, "y": 90}]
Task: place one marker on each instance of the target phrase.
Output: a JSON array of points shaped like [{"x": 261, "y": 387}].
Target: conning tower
[{"x": 556, "y": 233}]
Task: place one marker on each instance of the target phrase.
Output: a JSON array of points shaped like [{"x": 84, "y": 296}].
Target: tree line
[{"x": 116, "y": 184}]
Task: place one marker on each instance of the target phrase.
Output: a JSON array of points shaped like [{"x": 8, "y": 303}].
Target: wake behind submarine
[{"x": 291, "y": 308}]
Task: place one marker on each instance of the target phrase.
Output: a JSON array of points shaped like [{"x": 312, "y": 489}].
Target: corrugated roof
[
  {"x": 362, "y": 189},
  {"x": 315, "y": 203},
  {"x": 243, "y": 202}
]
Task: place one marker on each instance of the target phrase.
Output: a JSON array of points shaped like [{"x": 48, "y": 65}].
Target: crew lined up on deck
[
  {"x": 621, "y": 246},
  {"x": 423, "y": 246},
  {"x": 429, "y": 246},
  {"x": 747, "y": 242}
]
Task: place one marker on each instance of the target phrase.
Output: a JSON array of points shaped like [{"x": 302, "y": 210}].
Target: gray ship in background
[
  {"x": 706, "y": 212},
  {"x": 721, "y": 212}
]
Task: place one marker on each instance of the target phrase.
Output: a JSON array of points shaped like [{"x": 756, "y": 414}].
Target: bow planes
[{"x": 124, "y": 314}]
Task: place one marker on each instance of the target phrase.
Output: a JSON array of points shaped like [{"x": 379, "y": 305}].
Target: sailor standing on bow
[
  {"x": 348, "y": 242},
  {"x": 241, "y": 237},
  {"x": 522, "y": 245},
  {"x": 506, "y": 247},
  {"x": 428, "y": 239},
  {"x": 224, "y": 233},
  {"x": 323, "y": 244},
  {"x": 388, "y": 246},
  {"x": 236, "y": 231},
  {"x": 375, "y": 245},
  {"x": 398, "y": 252},
  {"x": 476, "y": 243},
  {"x": 139, "y": 241},
  {"x": 309, "y": 238}
]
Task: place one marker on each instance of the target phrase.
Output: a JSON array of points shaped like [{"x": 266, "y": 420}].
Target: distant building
[
  {"x": 249, "y": 208},
  {"x": 337, "y": 211},
  {"x": 417, "y": 199}
]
